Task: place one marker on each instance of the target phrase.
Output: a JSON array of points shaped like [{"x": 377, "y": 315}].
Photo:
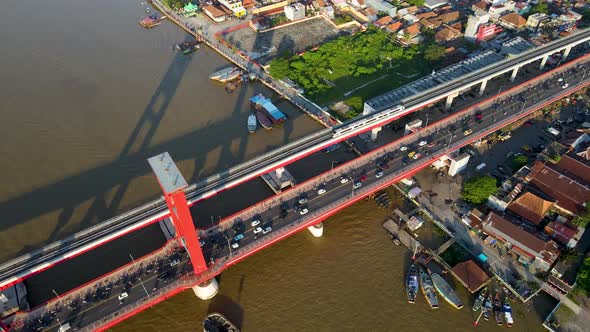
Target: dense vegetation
[
  {"x": 343, "y": 64},
  {"x": 583, "y": 278},
  {"x": 477, "y": 189},
  {"x": 583, "y": 218},
  {"x": 519, "y": 161},
  {"x": 175, "y": 4}
]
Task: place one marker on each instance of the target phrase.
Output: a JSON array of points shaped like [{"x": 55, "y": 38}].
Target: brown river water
[{"x": 87, "y": 96}]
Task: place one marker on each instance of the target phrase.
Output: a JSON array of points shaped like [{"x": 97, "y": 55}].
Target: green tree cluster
[
  {"x": 347, "y": 56},
  {"x": 583, "y": 277},
  {"x": 519, "y": 161},
  {"x": 417, "y": 3},
  {"x": 477, "y": 189},
  {"x": 583, "y": 218},
  {"x": 434, "y": 52}
]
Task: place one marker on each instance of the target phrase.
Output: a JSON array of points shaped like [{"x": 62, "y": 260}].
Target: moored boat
[
  {"x": 226, "y": 74},
  {"x": 498, "y": 309},
  {"x": 261, "y": 103},
  {"x": 507, "y": 313},
  {"x": 251, "y": 123},
  {"x": 487, "y": 307},
  {"x": 428, "y": 288},
  {"x": 446, "y": 291},
  {"x": 150, "y": 21},
  {"x": 479, "y": 300},
  {"x": 216, "y": 322},
  {"x": 188, "y": 46},
  {"x": 412, "y": 283},
  {"x": 263, "y": 120}
]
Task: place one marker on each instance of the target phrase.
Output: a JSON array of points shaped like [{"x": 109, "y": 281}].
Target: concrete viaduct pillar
[
  {"x": 566, "y": 53},
  {"x": 514, "y": 72},
  {"x": 316, "y": 230},
  {"x": 450, "y": 100},
  {"x": 543, "y": 62},
  {"x": 482, "y": 88},
  {"x": 374, "y": 133},
  {"x": 173, "y": 183}
]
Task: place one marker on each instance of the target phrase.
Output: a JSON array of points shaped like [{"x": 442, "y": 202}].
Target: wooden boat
[
  {"x": 151, "y": 21},
  {"x": 498, "y": 309},
  {"x": 428, "y": 288},
  {"x": 226, "y": 74},
  {"x": 216, "y": 322},
  {"x": 479, "y": 300},
  {"x": 251, "y": 123},
  {"x": 487, "y": 307},
  {"x": 188, "y": 47},
  {"x": 412, "y": 283},
  {"x": 446, "y": 291},
  {"x": 263, "y": 120},
  {"x": 507, "y": 313}
]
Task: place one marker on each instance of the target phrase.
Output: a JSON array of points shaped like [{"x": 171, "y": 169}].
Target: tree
[
  {"x": 477, "y": 189},
  {"x": 583, "y": 218},
  {"x": 417, "y": 3},
  {"x": 583, "y": 277},
  {"x": 434, "y": 52},
  {"x": 540, "y": 7},
  {"x": 519, "y": 161},
  {"x": 568, "y": 255},
  {"x": 279, "y": 68}
]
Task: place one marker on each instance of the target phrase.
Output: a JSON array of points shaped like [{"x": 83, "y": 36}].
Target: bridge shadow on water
[
  {"x": 228, "y": 306},
  {"x": 100, "y": 191}
]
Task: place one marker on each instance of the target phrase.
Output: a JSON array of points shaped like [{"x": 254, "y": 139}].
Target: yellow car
[
  {"x": 467, "y": 132},
  {"x": 411, "y": 154}
]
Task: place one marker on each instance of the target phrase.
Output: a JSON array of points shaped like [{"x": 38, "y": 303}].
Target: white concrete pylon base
[
  {"x": 206, "y": 290},
  {"x": 316, "y": 230}
]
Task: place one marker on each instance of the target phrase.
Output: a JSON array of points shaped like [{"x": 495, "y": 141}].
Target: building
[
  {"x": 454, "y": 161},
  {"x": 384, "y": 21},
  {"x": 512, "y": 21},
  {"x": 470, "y": 275},
  {"x": 473, "y": 23},
  {"x": 530, "y": 249},
  {"x": 496, "y": 2},
  {"x": 531, "y": 207},
  {"x": 393, "y": 27},
  {"x": 214, "y": 13},
  {"x": 563, "y": 233},
  {"x": 480, "y": 7},
  {"x": 381, "y": 6},
  {"x": 446, "y": 34},
  {"x": 570, "y": 192},
  {"x": 496, "y": 11},
  {"x": 410, "y": 35},
  {"x": 235, "y": 6},
  {"x": 295, "y": 11},
  {"x": 487, "y": 32},
  {"x": 432, "y": 4},
  {"x": 575, "y": 165},
  {"x": 537, "y": 21}
]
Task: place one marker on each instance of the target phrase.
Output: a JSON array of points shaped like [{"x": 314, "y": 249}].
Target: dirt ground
[{"x": 293, "y": 38}]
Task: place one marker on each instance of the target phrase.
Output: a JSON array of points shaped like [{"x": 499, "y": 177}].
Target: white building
[
  {"x": 295, "y": 12},
  {"x": 455, "y": 162},
  {"x": 235, "y": 6},
  {"x": 473, "y": 23},
  {"x": 496, "y": 2},
  {"x": 537, "y": 21}
]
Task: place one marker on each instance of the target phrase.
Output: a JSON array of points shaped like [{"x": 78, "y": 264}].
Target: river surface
[{"x": 87, "y": 96}]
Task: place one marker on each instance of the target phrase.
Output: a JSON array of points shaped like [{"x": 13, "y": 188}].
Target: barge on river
[{"x": 263, "y": 104}]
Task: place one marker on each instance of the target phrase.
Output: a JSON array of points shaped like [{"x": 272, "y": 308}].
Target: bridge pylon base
[
  {"x": 316, "y": 230},
  {"x": 206, "y": 290}
]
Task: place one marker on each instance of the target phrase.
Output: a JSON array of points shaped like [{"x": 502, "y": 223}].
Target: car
[
  {"x": 174, "y": 262},
  {"x": 431, "y": 144},
  {"x": 257, "y": 230},
  {"x": 422, "y": 143},
  {"x": 564, "y": 86},
  {"x": 417, "y": 155},
  {"x": 302, "y": 200},
  {"x": 467, "y": 132},
  {"x": 255, "y": 222},
  {"x": 343, "y": 179},
  {"x": 267, "y": 230},
  {"x": 235, "y": 245},
  {"x": 363, "y": 177},
  {"x": 357, "y": 184},
  {"x": 478, "y": 116},
  {"x": 303, "y": 211},
  {"x": 384, "y": 165},
  {"x": 560, "y": 79},
  {"x": 321, "y": 190},
  {"x": 378, "y": 173},
  {"x": 238, "y": 237},
  {"x": 411, "y": 154},
  {"x": 403, "y": 148},
  {"x": 123, "y": 296}
]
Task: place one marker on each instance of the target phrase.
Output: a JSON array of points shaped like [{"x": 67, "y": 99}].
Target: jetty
[{"x": 247, "y": 64}]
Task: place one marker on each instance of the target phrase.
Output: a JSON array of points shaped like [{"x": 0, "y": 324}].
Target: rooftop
[
  {"x": 514, "y": 19},
  {"x": 470, "y": 275},
  {"x": 575, "y": 165},
  {"x": 531, "y": 207}
]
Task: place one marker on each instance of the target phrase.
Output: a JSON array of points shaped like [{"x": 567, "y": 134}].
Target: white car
[
  {"x": 357, "y": 184},
  {"x": 267, "y": 230},
  {"x": 343, "y": 179},
  {"x": 422, "y": 143},
  {"x": 123, "y": 296},
  {"x": 403, "y": 148},
  {"x": 321, "y": 191},
  {"x": 302, "y": 200},
  {"x": 564, "y": 86},
  {"x": 560, "y": 79},
  {"x": 235, "y": 245},
  {"x": 255, "y": 223},
  {"x": 257, "y": 230},
  {"x": 303, "y": 211},
  {"x": 378, "y": 174},
  {"x": 174, "y": 262}
]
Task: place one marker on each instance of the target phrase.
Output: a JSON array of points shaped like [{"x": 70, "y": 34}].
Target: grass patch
[{"x": 454, "y": 254}]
